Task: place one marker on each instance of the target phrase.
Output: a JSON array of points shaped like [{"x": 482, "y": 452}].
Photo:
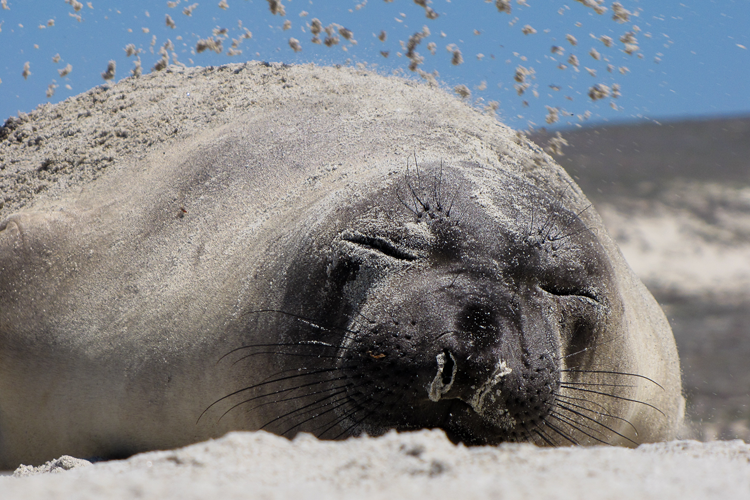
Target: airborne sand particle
[
  {"x": 630, "y": 42},
  {"x": 503, "y": 6},
  {"x": 209, "y": 44},
  {"x": 414, "y": 41},
  {"x": 276, "y": 7},
  {"x": 456, "y": 58},
  {"x": 75, "y": 4},
  {"x": 556, "y": 144},
  {"x": 137, "y": 68},
  {"x": 109, "y": 74},
  {"x": 553, "y": 115},
  {"x": 462, "y": 91},
  {"x": 429, "y": 12},
  {"x": 621, "y": 14},
  {"x": 598, "y": 91},
  {"x": 594, "y": 4}
]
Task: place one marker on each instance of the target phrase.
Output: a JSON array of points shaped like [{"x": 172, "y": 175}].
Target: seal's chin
[
  {"x": 464, "y": 425},
  {"x": 460, "y": 422}
]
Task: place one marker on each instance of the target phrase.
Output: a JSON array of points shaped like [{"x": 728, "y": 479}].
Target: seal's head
[{"x": 438, "y": 303}]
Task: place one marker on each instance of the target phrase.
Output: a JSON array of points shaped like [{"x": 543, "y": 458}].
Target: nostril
[
  {"x": 448, "y": 369},
  {"x": 446, "y": 374}
]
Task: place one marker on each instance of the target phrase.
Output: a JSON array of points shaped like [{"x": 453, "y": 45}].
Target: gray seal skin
[{"x": 298, "y": 270}]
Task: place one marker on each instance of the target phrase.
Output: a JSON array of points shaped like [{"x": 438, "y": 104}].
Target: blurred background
[{"x": 651, "y": 97}]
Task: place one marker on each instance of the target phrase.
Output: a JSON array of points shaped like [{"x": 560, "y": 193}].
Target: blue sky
[{"x": 693, "y": 57}]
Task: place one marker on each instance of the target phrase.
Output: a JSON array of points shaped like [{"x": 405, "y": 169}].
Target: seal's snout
[{"x": 469, "y": 369}]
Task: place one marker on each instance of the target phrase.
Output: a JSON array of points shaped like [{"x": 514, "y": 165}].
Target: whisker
[
  {"x": 575, "y": 218},
  {"x": 348, "y": 388},
  {"x": 281, "y": 353},
  {"x": 255, "y": 386},
  {"x": 302, "y": 343},
  {"x": 614, "y": 373},
  {"x": 589, "y": 348},
  {"x": 345, "y": 399},
  {"x": 543, "y": 436},
  {"x": 598, "y": 423},
  {"x": 398, "y": 196},
  {"x": 336, "y": 421},
  {"x": 565, "y": 396},
  {"x": 302, "y": 319},
  {"x": 353, "y": 425},
  {"x": 577, "y": 428},
  {"x": 615, "y": 397},
  {"x": 289, "y": 389},
  {"x": 558, "y": 431},
  {"x": 370, "y": 321},
  {"x": 572, "y": 423},
  {"x": 300, "y": 409},
  {"x": 605, "y": 414},
  {"x": 597, "y": 384},
  {"x": 437, "y": 187}
]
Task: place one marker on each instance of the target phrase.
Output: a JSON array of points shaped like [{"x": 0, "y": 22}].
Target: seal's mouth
[
  {"x": 483, "y": 400},
  {"x": 477, "y": 398}
]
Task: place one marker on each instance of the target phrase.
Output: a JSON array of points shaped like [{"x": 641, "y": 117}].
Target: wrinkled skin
[{"x": 258, "y": 279}]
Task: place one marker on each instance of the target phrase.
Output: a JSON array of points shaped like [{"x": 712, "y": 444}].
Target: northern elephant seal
[{"x": 334, "y": 252}]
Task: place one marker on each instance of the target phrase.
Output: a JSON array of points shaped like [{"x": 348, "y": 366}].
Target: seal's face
[{"x": 449, "y": 316}]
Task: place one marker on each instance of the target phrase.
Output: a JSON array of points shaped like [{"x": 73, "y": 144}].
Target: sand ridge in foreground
[{"x": 421, "y": 464}]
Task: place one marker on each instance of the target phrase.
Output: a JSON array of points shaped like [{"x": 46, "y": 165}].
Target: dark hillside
[
  {"x": 640, "y": 159},
  {"x": 694, "y": 177}
]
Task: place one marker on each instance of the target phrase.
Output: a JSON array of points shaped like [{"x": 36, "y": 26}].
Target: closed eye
[
  {"x": 380, "y": 245},
  {"x": 562, "y": 291}
]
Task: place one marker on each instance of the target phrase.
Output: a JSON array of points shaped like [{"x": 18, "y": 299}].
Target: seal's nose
[{"x": 466, "y": 354}]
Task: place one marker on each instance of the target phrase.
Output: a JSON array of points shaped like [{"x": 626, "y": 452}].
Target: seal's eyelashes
[{"x": 380, "y": 245}]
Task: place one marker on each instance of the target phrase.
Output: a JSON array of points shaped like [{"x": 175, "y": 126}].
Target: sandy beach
[{"x": 413, "y": 465}]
